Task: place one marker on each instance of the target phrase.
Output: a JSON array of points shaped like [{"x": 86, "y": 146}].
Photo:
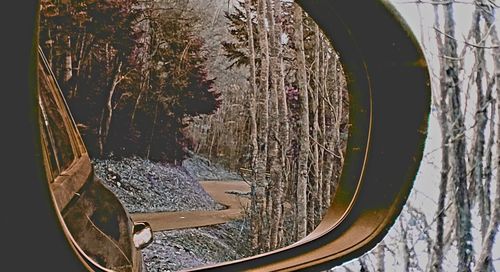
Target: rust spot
[{"x": 420, "y": 63}]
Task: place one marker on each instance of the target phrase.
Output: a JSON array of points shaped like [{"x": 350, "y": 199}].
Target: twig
[{"x": 466, "y": 42}]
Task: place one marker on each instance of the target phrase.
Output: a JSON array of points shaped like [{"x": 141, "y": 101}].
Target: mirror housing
[{"x": 142, "y": 235}]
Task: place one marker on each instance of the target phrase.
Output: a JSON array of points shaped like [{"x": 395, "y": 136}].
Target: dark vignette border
[{"x": 32, "y": 237}]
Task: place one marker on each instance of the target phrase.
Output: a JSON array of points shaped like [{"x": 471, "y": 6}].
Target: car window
[{"x": 58, "y": 140}]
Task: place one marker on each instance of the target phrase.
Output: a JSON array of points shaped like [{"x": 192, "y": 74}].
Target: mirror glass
[{"x": 223, "y": 124}]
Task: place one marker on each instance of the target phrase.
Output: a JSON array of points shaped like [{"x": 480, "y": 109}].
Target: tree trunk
[
  {"x": 340, "y": 139},
  {"x": 284, "y": 129},
  {"x": 254, "y": 227},
  {"x": 488, "y": 171},
  {"x": 484, "y": 262},
  {"x": 50, "y": 45},
  {"x": 404, "y": 248},
  {"x": 263, "y": 124},
  {"x": 303, "y": 124},
  {"x": 153, "y": 128},
  {"x": 322, "y": 132},
  {"x": 380, "y": 255},
  {"x": 274, "y": 156},
  {"x": 315, "y": 132},
  {"x": 68, "y": 64},
  {"x": 330, "y": 135},
  {"x": 438, "y": 255},
  {"x": 81, "y": 52},
  {"x": 107, "y": 112},
  {"x": 457, "y": 158},
  {"x": 476, "y": 154}
]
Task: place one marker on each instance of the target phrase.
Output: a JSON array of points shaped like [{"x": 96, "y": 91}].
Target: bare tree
[
  {"x": 437, "y": 258},
  {"x": 404, "y": 247},
  {"x": 252, "y": 113},
  {"x": 315, "y": 163},
  {"x": 476, "y": 154},
  {"x": 107, "y": 112},
  {"x": 275, "y": 163},
  {"x": 275, "y": 63},
  {"x": 380, "y": 255},
  {"x": 260, "y": 167},
  {"x": 68, "y": 64},
  {"x": 457, "y": 137},
  {"x": 484, "y": 260},
  {"x": 284, "y": 127},
  {"x": 304, "y": 143}
]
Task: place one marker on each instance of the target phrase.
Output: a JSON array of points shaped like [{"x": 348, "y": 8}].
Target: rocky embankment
[
  {"x": 145, "y": 186},
  {"x": 203, "y": 169},
  {"x": 189, "y": 248}
]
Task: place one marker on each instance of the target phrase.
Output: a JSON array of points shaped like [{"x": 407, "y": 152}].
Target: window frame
[{"x": 65, "y": 183}]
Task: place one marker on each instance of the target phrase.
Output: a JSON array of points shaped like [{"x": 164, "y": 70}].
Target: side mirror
[{"x": 143, "y": 235}]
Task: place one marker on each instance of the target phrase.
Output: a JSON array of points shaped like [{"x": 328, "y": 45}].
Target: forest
[
  {"x": 131, "y": 71},
  {"x": 289, "y": 126},
  {"x": 257, "y": 87}
]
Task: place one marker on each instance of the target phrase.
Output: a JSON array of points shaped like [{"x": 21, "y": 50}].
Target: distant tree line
[{"x": 133, "y": 73}]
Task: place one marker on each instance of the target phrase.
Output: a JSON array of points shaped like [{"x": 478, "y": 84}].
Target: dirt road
[{"x": 235, "y": 203}]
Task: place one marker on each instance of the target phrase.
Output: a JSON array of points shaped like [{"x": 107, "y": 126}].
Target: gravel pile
[
  {"x": 190, "y": 248},
  {"x": 146, "y": 186},
  {"x": 203, "y": 169}
]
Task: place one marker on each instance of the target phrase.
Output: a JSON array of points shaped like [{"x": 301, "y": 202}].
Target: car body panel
[{"x": 92, "y": 215}]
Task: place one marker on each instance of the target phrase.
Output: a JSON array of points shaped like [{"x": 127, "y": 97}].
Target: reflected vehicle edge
[{"x": 94, "y": 220}]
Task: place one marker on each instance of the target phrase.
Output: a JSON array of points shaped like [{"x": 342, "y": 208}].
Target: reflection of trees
[
  {"x": 133, "y": 73},
  {"x": 285, "y": 120}
]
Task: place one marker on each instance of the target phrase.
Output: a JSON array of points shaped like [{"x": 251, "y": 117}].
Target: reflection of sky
[{"x": 425, "y": 192}]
